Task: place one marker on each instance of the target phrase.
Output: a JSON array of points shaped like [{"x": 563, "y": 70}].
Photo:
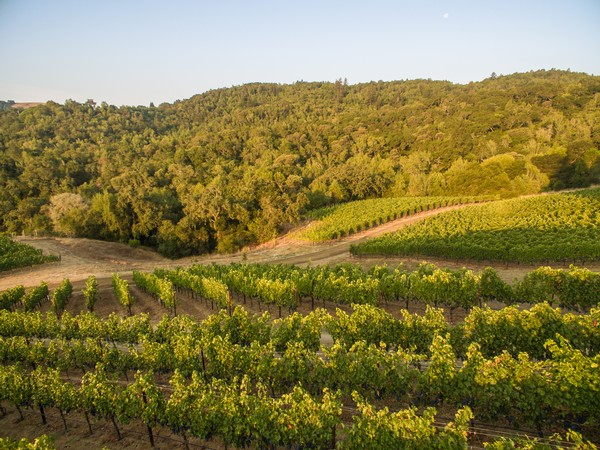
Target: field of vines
[
  {"x": 14, "y": 254},
  {"x": 554, "y": 227},
  {"x": 240, "y": 380},
  {"x": 342, "y": 220},
  {"x": 284, "y": 286}
]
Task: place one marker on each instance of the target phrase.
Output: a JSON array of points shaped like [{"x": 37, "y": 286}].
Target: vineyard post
[
  {"x": 87, "y": 419},
  {"x": 185, "y": 440},
  {"x": 150, "y": 435},
  {"x": 62, "y": 416},
  {"x": 408, "y": 290},
  {"x": 112, "y": 418},
  {"x": 21, "y": 418},
  {"x": 333, "y": 437},
  {"x": 43, "y": 414}
]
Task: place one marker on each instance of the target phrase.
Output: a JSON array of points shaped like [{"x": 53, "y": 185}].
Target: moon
[{"x": 445, "y": 15}]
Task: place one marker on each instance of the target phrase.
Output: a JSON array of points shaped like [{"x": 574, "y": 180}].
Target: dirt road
[
  {"x": 83, "y": 257},
  {"x": 339, "y": 251},
  {"x": 80, "y": 258}
]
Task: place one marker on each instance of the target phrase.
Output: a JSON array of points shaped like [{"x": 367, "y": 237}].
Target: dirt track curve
[{"x": 83, "y": 257}]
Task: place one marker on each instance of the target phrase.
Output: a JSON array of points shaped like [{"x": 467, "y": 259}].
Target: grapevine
[
  {"x": 121, "y": 290},
  {"x": 90, "y": 292}
]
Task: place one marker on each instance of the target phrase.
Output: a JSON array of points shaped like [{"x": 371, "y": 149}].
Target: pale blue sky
[{"x": 136, "y": 52}]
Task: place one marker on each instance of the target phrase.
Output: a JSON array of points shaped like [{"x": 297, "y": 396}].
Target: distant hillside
[
  {"x": 25, "y": 105},
  {"x": 236, "y": 166},
  {"x": 8, "y": 104}
]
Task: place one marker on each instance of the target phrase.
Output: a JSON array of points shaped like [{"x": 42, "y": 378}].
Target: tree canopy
[{"x": 236, "y": 166}]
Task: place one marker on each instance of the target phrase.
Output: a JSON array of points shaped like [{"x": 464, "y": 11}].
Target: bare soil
[{"x": 80, "y": 258}]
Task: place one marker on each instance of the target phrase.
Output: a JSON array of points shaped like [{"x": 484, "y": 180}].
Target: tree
[{"x": 68, "y": 211}]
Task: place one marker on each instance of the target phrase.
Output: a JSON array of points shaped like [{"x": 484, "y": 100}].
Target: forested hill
[{"x": 235, "y": 166}]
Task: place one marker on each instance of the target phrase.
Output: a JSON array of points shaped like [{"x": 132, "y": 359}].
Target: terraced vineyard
[
  {"x": 242, "y": 380},
  {"x": 348, "y": 218},
  {"x": 555, "y": 227},
  {"x": 363, "y": 373},
  {"x": 239, "y": 379},
  {"x": 14, "y": 254},
  {"x": 286, "y": 286}
]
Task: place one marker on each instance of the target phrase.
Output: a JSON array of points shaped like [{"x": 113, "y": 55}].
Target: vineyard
[
  {"x": 284, "y": 286},
  {"x": 555, "y": 227},
  {"x": 240, "y": 379},
  {"x": 14, "y": 255},
  {"x": 337, "y": 221}
]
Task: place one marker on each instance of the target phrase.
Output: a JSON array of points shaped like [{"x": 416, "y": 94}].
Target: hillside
[
  {"x": 549, "y": 228},
  {"x": 237, "y": 166}
]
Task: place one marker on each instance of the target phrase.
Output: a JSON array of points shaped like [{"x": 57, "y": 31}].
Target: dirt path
[
  {"x": 83, "y": 257},
  {"x": 339, "y": 251},
  {"x": 80, "y": 258}
]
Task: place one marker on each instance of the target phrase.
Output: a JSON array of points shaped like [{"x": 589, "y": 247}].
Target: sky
[{"x": 133, "y": 52}]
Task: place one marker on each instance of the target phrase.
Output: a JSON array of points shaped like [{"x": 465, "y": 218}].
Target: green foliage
[
  {"x": 6, "y": 104},
  {"x": 237, "y": 166},
  {"x": 535, "y": 392},
  {"x": 347, "y": 284},
  {"x": 121, "y": 290},
  {"x": 159, "y": 288},
  {"x": 41, "y": 443},
  {"x": 254, "y": 281},
  {"x": 11, "y": 297},
  {"x": 90, "y": 293},
  {"x": 576, "y": 288},
  {"x": 337, "y": 221},
  {"x": 559, "y": 227},
  {"x": 35, "y": 297},
  {"x": 14, "y": 254},
  {"x": 61, "y": 296},
  {"x": 514, "y": 330},
  {"x": 572, "y": 440},
  {"x": 204, "y": 287},
  {"x": 377, "y": 429},
  {"x": 439, "y": 376},
  {"x": 294, "y": 396}
]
